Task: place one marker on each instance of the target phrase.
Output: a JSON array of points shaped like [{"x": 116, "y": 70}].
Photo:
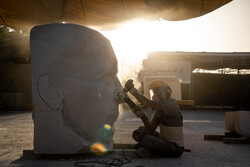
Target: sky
[{"x": 226, "y": 29}]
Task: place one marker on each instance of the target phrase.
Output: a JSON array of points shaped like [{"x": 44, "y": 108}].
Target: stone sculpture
[{"x": 74, "y": 77}]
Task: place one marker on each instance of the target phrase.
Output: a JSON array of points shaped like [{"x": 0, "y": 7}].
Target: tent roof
[{"x": 105, "y": 14}]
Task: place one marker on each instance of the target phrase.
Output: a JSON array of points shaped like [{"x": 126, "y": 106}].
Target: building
[{"x": 218, "y": 79}]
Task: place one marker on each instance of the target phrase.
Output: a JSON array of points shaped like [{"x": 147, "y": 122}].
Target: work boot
[{"x": 143, "y": 153}]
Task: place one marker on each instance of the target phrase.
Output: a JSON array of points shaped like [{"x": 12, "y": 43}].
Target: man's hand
[
  {"x": 129, "y": 84},
  {"x": 139, "y": 113}
]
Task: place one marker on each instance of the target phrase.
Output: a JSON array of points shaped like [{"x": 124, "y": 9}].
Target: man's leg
[
  {"x": 161, "y": 147},
  {"x": 139, "y": 133}
]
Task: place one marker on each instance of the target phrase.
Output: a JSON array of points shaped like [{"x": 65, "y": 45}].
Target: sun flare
[
  {"x": 134, "y": 40},
  {"x": 213, "y": 32}
]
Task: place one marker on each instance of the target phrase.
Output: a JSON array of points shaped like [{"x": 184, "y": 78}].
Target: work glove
[{"x": 129, "y": 84}]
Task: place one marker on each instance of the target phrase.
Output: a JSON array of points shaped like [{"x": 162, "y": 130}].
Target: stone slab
[
  {"x": 74, "y": 77},
  {"x": 239, "y": 122}
]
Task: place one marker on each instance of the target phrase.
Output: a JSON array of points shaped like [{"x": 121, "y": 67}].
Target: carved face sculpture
[{"x": 84, "y": 77}]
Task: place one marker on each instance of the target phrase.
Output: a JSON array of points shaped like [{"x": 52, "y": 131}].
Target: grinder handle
[{"x": 131, "y": 104}]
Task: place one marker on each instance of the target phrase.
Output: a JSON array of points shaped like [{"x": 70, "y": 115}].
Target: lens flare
[
  {"x": 98, "y": 149},
  {"x": 107, "y": 127}
]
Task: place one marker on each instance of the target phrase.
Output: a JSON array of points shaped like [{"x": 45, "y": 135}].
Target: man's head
[{"x": 160, "y": 89}]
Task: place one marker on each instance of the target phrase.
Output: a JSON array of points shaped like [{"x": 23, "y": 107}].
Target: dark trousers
[{"x": 155, "y": 145}]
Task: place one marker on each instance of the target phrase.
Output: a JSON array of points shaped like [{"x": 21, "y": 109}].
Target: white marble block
[
  {"x": 74, "y": 76},
  {"x": 239, "y": 122}
]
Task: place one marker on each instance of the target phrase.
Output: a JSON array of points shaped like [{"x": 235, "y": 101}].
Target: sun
[
  {"x": 131, "y": 44},
  {"x": 130, "y": 41},
  {"x": 136, "y": 38}
]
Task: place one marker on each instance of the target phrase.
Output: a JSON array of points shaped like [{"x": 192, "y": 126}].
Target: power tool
[{"x": 122, "y": 97}]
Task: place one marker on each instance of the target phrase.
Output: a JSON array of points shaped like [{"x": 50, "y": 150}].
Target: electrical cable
[
  {"x": 115, "y": 162},
  {"x": 37, "y": 86}
]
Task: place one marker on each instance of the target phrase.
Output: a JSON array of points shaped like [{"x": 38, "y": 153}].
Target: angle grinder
[{"x": 122, "y": 97}]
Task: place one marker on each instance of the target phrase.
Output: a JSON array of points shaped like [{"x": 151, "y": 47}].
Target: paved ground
[{"x": 16, "y": 135}]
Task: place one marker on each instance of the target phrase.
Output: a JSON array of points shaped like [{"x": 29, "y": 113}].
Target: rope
[
  {"x": 83, "y": 12},
  {"x": 40, "y": 2}
]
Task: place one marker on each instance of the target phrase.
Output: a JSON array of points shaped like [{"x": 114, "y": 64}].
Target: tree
[{"x": 9, "y": 33}]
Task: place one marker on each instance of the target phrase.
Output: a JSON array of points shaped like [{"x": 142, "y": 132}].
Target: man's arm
[
  {"x": 151, "y": 126},
  {"x": 141, "y": 98},
  {"x": 144, "y": 100}
]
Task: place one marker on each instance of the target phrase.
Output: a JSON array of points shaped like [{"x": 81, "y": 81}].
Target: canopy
[{"x": 105, "y": 14}]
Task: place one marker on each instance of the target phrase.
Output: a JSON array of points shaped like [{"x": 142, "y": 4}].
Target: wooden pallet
[
  {"x": 132, "y": 146},
  {"x": 229, "y": 138},
  {"x": 130, "y": 149},
  {"x": 185, "y": 102}
]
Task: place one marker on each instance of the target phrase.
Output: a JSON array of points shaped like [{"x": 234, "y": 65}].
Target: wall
[
  {"x": 222, "y": 90},
  {"x": 15, "y": 84}
]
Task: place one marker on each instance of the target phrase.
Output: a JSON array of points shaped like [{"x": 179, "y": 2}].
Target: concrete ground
[{"x": 16, "y": 135}]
